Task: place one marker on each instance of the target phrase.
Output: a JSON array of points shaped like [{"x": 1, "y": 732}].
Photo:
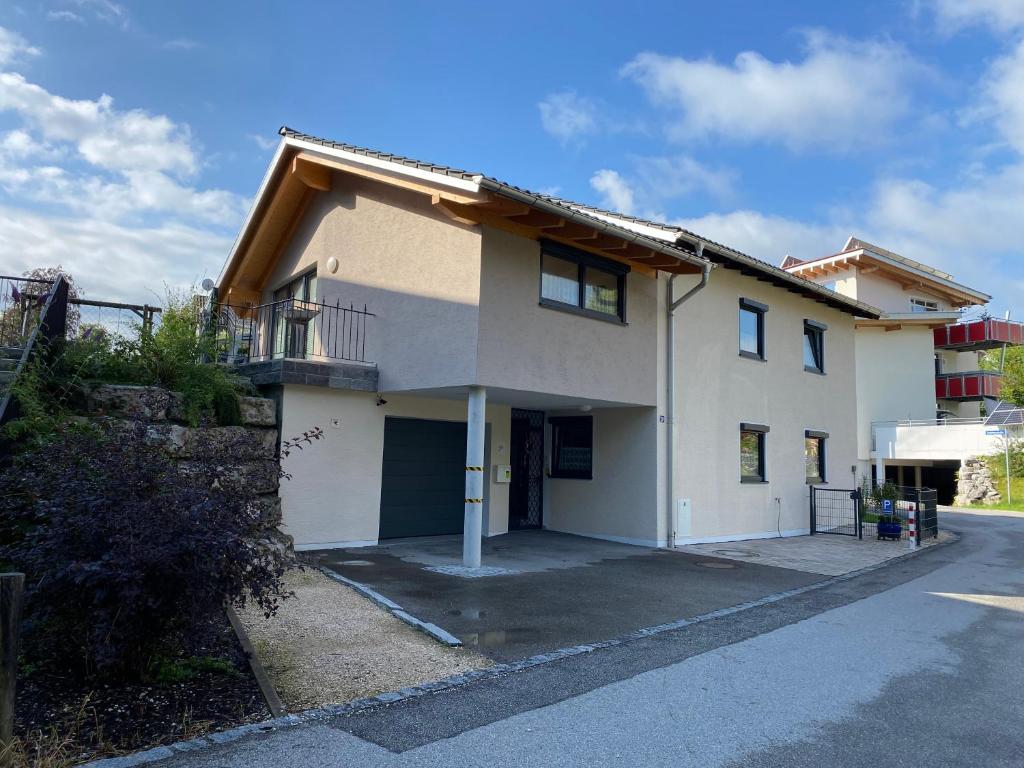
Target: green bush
[
  {"x": 997, "y": 461},
  {"x": 175, "y": 356}
]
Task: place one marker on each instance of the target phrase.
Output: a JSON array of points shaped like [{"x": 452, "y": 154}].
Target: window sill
[
  {"x": 753, "y": 481},
  {"x": 574, "y": 310},
  {"x": 753, "y": 356},
  {"x": 817, "y": 482},
  {"x": 570, "y": 477},
  {"x": 810, "y": 369}
]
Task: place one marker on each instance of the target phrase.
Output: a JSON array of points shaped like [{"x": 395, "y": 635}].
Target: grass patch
[
  {"x": 164, "y": 670},
  {"x": 1016, "y": 493}
]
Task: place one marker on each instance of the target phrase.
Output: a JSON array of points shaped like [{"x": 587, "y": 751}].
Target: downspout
[{"x": 671, "y": 304}]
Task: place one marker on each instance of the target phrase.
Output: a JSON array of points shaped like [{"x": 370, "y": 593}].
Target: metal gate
[
  {"x": 927, "y": 513},
  {"x": 836, "y": 511},
  {"x": 526, "y": 495}
]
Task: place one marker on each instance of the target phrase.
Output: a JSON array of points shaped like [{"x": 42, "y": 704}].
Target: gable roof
[
  {"x": 895, "y": 267},
  {"x": 470, "y": 197}
]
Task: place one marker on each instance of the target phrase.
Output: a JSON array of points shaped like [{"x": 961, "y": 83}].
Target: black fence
[
  {"x": 290, "y": 328},
  {"x": 836, "y": 511},
  {"x": 862, "y": 513}
]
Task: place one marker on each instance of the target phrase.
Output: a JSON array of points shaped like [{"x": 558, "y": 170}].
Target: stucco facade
[
  {"x": 717, "y": 389},
  {"x": 333, "y": 496},
  {"x": 417, "y": 271},
  {"x": 453, "y": 279}
]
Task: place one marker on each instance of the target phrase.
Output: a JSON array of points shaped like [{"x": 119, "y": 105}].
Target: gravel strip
[{"x": 328, "y": 645}]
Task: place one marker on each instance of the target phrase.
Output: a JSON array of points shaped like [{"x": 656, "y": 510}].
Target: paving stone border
[{"x": 456, "y": 681}]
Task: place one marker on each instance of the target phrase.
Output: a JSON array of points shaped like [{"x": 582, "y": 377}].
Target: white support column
[
  {"x": 879, "y": 470},
  {"x": 475, "y": 472}
]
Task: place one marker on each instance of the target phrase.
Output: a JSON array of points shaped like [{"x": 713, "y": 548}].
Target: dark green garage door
[{"x": 424, "y": 480}]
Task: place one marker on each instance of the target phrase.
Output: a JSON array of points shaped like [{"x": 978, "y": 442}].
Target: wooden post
[{"x": 11, "y": 585}]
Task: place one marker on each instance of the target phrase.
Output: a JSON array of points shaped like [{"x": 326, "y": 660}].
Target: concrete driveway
[{"x": 552, "y": 590}]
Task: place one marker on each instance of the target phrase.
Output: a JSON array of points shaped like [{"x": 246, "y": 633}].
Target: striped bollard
[{"x": 912, "y": 526}]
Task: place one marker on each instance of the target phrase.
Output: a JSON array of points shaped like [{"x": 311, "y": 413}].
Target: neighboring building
[
  {"x": 557, "y": 316},
  {"x": 920, "y": 386}
]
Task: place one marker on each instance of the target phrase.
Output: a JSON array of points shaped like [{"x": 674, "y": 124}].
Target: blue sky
[{"x": 133, "y": 135}]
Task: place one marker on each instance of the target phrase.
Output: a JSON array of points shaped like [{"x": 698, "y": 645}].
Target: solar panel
[{"x": 1005, "y": 414}]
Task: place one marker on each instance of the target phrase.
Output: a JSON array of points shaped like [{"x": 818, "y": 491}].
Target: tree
[{"x": 1013, "y": 372}]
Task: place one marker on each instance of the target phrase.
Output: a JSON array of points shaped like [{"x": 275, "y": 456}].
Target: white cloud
[
  {"x": 65, "y": 15},
  {"x": 104, "y": 10},
  {"x": 263, "y": 142},
  {"x": 1000, "y": 15},
  {"x": 181, "y": 44},
  {"x": 1002, "y": 97},
  {"x": 105, "y": 137},
  {"x": 13, "y": 46},
  {"x": 617, "y": 194},
  {"x": 842, "y": 94},
  {"x": 110, "y": 194},
  {"x": 769, "y": 238},
  {"x": 111, "y": 261},
  {"x": 567, "y": 115},
  {"x": 654, "y": 181}
]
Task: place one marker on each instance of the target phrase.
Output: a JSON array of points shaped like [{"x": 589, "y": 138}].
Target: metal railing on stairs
[{"x": 43, "y": 336}]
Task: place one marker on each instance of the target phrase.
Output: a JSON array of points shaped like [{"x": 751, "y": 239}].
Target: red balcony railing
[
  {"x": 972, "y": 385},
  {"x": 979, "y": 334}
]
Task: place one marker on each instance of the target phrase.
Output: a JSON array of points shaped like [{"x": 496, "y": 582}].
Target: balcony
[
  {"x": 934, "y": 439},
  {"x": 967, "y": 386},
  {"x": 294, "y": 341},
  {"x": 979, "y": 335}
]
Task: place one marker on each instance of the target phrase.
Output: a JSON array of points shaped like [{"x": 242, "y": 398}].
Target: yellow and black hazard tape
[
  {"x": 474, "y": 469},
  {"x": 474, "y": 501}
]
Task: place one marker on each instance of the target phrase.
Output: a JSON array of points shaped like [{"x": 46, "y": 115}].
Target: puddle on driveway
[
  {"x": 716, "y": 564},
  {"x": 499, "y": 637},
  {"x": 466, "y": 613}
]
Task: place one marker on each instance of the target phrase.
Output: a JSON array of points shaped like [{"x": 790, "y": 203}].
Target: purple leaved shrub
[{"x": 125, "y": 553}]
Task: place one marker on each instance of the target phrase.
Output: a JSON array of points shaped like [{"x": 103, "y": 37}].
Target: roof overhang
[
  {"x": 898, "y": 321},
  {"x": 303, "y": 166},
  {"x": 300, "y": 169},
  {"x": 908, "y": 274}
]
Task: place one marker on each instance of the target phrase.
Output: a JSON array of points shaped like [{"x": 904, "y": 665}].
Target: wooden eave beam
[
  {"x": 404, "y": 182},
  {"x": 449, "y": 209},
  {"x": 313, "y": 175},
  {"x": 537, "y": 219}
]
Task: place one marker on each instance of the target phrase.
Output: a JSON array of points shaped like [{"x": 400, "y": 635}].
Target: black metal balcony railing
[{"x": 290, "y": 328}]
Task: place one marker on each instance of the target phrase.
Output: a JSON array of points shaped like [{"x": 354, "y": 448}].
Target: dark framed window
[
  {"x": 752, "y": 453},
  {"x": 814, "y": 456},
  {"x": 579, "y": 282},
  {"x": 814, "y": 346},
  {"x": 572, "y": 447},
  {"x": 292, "y": 339},
  {"x": 752, "y": 329}
]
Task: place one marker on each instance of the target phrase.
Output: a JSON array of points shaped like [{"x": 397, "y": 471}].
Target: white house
[
  {"x": 920, "y": 386},
  {"x": 483, "y": 358}
]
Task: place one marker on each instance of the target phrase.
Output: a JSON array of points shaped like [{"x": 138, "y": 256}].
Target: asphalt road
[{"x": 916, "y": 664}]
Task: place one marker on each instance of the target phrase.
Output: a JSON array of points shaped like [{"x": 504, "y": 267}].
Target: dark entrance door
[{"x": 525, "y": 502}]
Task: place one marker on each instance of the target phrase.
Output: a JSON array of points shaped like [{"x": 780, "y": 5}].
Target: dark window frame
[
  {"x": 761, "y": 430},
  {"x": 816, "y": 331},
  {"x": 759, "y": 310},
  {"x": 584, "y": 261},
  {"x": 822, "y": 438},
  {"x": 581, "y": 423}
]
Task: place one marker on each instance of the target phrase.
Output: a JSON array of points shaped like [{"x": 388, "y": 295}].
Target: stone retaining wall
[
  {"x": 974, "y": 484},
  {"x": 250, "y": 450}
]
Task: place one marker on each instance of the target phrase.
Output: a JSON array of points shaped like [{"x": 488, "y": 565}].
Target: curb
[
  {"x": 457, "y": 681},
  {"x": 442, "y": 636},
  {"x": 263, "y": 680}
]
